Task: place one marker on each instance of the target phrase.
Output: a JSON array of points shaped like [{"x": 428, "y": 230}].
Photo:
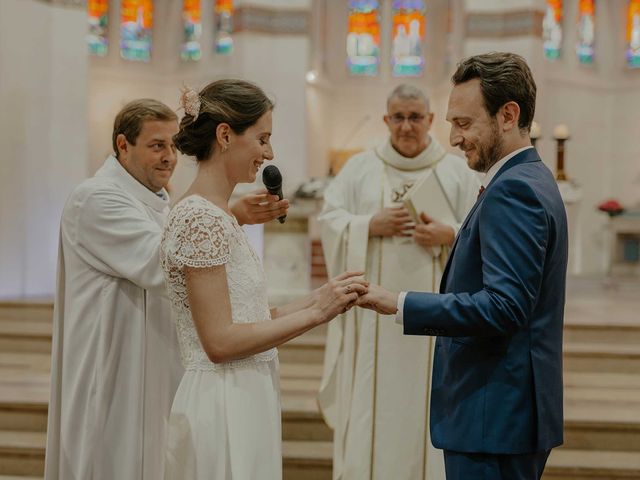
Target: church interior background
[{"x": 68, "y": 66}]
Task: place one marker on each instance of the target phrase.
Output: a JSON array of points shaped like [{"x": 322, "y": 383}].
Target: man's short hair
[
  {"x": 408, "y": 92},
  {"x": 504, "y": 77},
  {"x": 130, "y": 119}
]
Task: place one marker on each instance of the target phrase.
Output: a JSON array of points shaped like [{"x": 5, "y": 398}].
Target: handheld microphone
[{"x": 272, "y": 179}]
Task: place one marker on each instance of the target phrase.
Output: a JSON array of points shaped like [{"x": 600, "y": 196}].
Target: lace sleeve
[{"x": 200, "y": 239}]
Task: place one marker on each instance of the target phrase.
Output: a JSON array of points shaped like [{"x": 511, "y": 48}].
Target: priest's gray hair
[{"x": 405, "y": 91}]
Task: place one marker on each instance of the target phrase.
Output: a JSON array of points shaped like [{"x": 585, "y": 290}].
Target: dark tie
[{"x": 480, "y": 191}]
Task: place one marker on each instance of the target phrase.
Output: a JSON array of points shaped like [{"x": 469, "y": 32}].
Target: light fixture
[{"x": 311, "y": 76}]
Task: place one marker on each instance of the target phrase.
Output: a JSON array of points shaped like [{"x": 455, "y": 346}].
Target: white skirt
[{"x": 226, "y": 425}]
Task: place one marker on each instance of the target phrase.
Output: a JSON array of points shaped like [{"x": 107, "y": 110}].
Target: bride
[{"x": 225, "y": 419}]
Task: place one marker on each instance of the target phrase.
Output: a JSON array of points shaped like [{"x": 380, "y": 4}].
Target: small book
[{"x": 427, "y": 195}]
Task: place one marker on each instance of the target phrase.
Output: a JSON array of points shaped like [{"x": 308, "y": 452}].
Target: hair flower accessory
[{"x": 190, "y": 102}]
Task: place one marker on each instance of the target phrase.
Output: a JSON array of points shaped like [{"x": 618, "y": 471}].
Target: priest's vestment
[
  {"x": 376, "y": 381},
  {"x": 115, "y": 363}
]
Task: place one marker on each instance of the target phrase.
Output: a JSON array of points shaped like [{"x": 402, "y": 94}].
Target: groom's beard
[{"x": 490, "y": 152}]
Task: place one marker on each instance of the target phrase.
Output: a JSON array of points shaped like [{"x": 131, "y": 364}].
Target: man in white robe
[
  {"x": 115, "y": 364},
  {"x": 376, "y": 381}
]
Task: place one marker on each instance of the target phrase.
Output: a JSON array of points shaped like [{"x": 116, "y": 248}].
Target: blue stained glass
[
  {"x": 633, "y": 34},
  {"x": 407, "y": 58},
  {"x": 363, "y": 6},
  {"x": 408, "y": 4}
]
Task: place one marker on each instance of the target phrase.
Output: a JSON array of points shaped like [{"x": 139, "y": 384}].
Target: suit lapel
[{"x": 445, "y": 273}]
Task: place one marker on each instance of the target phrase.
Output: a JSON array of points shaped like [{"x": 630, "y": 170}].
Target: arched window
[
  {"x": 363, "y": 37},
  {"x": 192, "y": 30},
  {"x": 552, "y": 29},
  {"x": 586, "y": 31},
  {"x": 407, "y": 59},
  {"x": 136, "y": 24},
  {"x": 224, "y": 26},
  {"x": 633, "y": 34},
  {"x": 98, "y": 18}
]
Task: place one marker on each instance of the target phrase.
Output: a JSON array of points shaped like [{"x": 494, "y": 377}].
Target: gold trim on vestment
[
  {"x": 439, "y": 259},
  {"x": 375, "y": 344},
  {"x": 355, "y": 350},
  {"x": 428, "y": 379}
]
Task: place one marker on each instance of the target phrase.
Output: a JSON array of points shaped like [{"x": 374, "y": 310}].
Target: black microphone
[{"x": 272, "y": 179}]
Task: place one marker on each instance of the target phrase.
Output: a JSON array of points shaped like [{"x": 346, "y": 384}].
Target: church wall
[
  {"x": 43, "y": 137},
  {"x": 587, "y": 164},
  {"x": 67, "y": 101},
  {"x": 625, "y": 149},
  {"x": 63, "y": 103},
  {"x": 349, "y": 109},
  {"x": 114, "y": 81},
  {"x": 598, "y": 103},
  {"x": 624, "y": 124},
  {"x": 278, "y": 65},
  {"x": 276, "y": 62},
  {"x": 270, "y": 49}
]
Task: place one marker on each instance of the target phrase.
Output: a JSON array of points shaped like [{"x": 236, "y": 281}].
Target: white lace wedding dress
[{"x": 225, "y": 419}]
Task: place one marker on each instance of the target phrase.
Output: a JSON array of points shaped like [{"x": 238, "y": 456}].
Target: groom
[{"x": 496, "y": 407}]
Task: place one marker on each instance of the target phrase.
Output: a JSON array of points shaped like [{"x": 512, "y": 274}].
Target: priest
[{"x": 376, "y": 382}]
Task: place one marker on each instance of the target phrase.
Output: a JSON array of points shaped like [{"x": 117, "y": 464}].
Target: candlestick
[
  {"x": 560, "y": 175},
  {"x": 535, "y": 130},
  {"x": 561, "y": 132},
  {"x": 534, "y": 133}
]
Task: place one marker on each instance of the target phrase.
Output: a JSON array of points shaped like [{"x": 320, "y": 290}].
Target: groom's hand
[{"x": 380, "y": 300}]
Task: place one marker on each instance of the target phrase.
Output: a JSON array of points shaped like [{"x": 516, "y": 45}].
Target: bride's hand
[{"x": 338, "y": 295}]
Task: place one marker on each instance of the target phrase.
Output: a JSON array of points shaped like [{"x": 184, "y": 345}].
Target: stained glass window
[
  {"x": 408, "y": 36},
  {"x": 98, "y": 13},
  {"x": 363, "y": 37},
  {"x": 633, "y": 34},
  {"x": 192, "y": 25},
  {"x": 136, "y": 23},
  {"x": 224, "y": 26},
  {"x": 552, "y": 29},
  {"x": 586, "y": 31}
]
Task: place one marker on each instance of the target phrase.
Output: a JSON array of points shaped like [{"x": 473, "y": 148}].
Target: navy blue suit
[{"x": 497, "y": 373}]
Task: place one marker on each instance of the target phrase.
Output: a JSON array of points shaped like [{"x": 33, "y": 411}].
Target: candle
[
  {"x": 535, "y": 132},
  {"x": 561, "y": 132}
]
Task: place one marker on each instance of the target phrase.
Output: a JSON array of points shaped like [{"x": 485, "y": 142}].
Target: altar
[{"x": 624, "y": 251}]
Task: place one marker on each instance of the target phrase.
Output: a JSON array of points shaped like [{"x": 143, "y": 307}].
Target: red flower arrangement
[{"x": 611, "y": 207}]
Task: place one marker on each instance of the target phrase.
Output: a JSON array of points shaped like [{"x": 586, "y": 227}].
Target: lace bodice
[{"x": 199, "y": 234}]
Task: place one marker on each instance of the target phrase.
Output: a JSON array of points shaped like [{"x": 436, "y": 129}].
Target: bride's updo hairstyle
[{"x": 237, "y": 103}]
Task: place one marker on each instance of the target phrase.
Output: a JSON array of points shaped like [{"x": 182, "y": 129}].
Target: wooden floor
[{"x": 602, "y": 390}]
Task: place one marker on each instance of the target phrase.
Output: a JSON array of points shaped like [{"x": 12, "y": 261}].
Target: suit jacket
[{"x": 497, "y": 373}]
